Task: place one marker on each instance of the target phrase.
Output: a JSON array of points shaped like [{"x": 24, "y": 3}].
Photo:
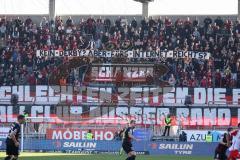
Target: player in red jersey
[{"x": 234, "y": 149}]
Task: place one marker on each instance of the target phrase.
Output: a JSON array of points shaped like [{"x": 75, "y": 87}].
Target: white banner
[
  {"x": 43, "y": 94},
  {"x": 182, "y": 116},
  {"x": 121, "y": 53}
]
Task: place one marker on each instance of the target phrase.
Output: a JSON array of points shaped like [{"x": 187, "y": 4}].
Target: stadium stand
[
  {"x": 20, "y": 38},
  {"x": 112, "y": 76}
]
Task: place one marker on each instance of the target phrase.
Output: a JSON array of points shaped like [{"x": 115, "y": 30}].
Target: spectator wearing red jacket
[{"x": 204, "y": 82}]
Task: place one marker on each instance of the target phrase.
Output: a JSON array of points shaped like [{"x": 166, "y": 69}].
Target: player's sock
[
  {"x": 128, "y": 158},
  {"x": 132, "y": 157},
  {"x": 8, "y": 158},
  {"x": 12, "y": 158},
  {"x": 121, "y": 151}
]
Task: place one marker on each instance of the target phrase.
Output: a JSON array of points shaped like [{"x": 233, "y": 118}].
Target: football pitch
[{"x": 60, "y": 156}]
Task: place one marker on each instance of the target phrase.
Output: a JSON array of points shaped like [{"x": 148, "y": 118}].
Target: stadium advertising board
[
  {"x": 2, "y": 144},
  {"x": 146, "y": 95},
  {"x": 98, "y": 134},
  {"x": 143, "y": 134},
  {"x": 180, "y": 148},
  {"x": 122, "y": 53},
  {"x": 4, "y": 132},
  {"x": 95, "y": 147},
  {"x": 78, "y": 134},
  {"x": 200, "y": 135}
]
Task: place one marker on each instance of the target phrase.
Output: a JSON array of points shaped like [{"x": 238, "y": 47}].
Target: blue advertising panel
[
  {"x": 2, "y": 144},
  {"x": 151, "y": 147},
  {"x": 142, "y": 134},
  {"x": 181, "y": 148}
]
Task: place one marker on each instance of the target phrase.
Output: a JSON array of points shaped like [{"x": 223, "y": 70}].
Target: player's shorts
[
  {"x": 233, "y": 155},
  {"x": 220, "y": 155},
  {"x": 127, "y": 147},
  {"x": 11, "y": 149}
]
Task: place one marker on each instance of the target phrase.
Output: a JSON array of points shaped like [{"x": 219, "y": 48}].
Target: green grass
[{"x": 60, "y": 156}]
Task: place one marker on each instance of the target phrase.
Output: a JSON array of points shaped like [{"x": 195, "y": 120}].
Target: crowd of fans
[{"x": 19, "y": 40}]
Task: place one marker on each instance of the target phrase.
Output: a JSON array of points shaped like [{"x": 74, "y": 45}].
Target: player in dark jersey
[
  {"x": 220, "y": 151},
  {"x": 127, "y": 141},
  {"x": 12, "y": 141}
]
